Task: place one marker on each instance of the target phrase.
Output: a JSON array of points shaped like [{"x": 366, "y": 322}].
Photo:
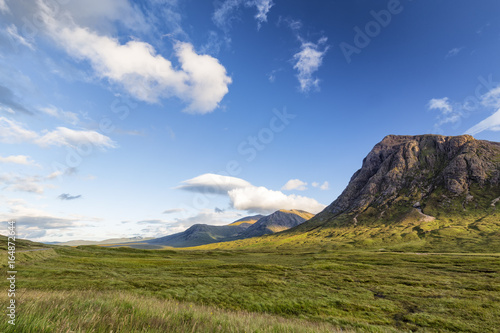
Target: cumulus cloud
[
  {"x": 441, "y": 104},
  {"x": 245, "y": 196},
  {"x": 66, "y": 196},
  {"x": 448, "y": 113},
  {"x": 307, "y": 62},
  {"x": 212, "y": 183},
  {"x": 294, "y": 184},
  {"x": 263, "y": 200},
  {"x": 17, "y": 159},
  {"x": 201, "y": 82}
]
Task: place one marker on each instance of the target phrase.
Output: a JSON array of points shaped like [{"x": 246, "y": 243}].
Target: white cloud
[
  {"x": 245, "y": 196},
  {"x": 441, "y": 104},
  {"x": 63, "y": 136},
  {"x": 492, "y": 98},
  {"x": 295, "y": 184},
  {"x": 449, "y": 114},
  {"x": 453, "y": 52},
  {"x": 66, "y": 116},
  {"x": 212, "y": 183},
  {"x": 173, "y": 210},
  {"x": 263, "y": 200},
  {"x": 17, "y": 159},
  {"x": 30, "y": 184},
  {"x": 202, "y": 81},
  {"x": 11, "y": 30},
  {"x": 3, "y": 7},
  {"x": 34, "y": 223},
  {"x": 308, "y": 61},
  {"x": 492, "y": 123},
  {"x": 160, "y": 228},
  {"x": 14, "y": 132},
  {"x": 225, "y": 13},
  {"x": 325, "y": 186},
  {"x": 263, "y": 8}
]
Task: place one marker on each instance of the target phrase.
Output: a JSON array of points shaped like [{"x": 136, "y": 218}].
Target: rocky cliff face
[{"x": 429, "y": 173}]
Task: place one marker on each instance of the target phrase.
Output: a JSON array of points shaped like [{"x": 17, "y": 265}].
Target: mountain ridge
[{"x": 421, "y": 192}]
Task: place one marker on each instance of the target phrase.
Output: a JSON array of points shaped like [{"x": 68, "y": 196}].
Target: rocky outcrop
[{"x": 415, "y": 169}]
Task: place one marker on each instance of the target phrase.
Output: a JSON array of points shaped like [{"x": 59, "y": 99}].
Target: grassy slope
[
  {"x": 360, "y": 290},
  {"x": 459, "y": 227}
]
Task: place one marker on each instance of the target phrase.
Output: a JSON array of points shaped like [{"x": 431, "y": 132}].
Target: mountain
[
  {"x": 252, "y": 226},
  {"x": 423, "y": 192},
  {"x": 420, "y": 177},
  {"x": 276, "y": 222},
  {"x": 200, "y": 234},
  {"x": 106, "y": 241}
]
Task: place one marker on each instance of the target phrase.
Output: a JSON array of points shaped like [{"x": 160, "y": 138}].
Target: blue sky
[{"x": 122, "y": 118}]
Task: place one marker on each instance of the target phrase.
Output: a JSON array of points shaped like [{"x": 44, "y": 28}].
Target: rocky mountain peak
[{"x": 413, "y": 168}]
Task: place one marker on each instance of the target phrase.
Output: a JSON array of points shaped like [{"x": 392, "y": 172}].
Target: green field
[{"x": 95, "y": 289}]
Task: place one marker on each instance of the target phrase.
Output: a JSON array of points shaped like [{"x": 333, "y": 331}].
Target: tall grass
[{"x": 113, "y": 311}]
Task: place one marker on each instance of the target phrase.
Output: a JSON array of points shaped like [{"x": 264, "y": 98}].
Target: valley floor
[{"x": 95, "y": 289}]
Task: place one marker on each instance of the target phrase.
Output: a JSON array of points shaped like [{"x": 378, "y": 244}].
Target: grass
[
  {"x": 113, "y": 311},
  {"x": 99, "y": 289}
]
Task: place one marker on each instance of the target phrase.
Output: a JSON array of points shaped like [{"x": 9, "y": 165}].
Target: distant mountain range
[
  {"x": 251, "y": 226},
  {"x": 106, "y": 241}
]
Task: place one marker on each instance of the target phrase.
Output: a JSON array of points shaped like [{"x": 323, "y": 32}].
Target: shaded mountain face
[
  {"x": 200, "y": 234},
  {"x": 421, "y": 178},
  {"x": 248, "y": 219},
  {"x": 251, "y": 226},
  {"x": 276, "y": 222}
]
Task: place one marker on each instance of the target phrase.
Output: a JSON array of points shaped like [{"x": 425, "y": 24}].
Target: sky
[{"x": 127, "y": 118}]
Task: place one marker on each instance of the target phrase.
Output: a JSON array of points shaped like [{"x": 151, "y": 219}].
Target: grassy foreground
[
  {"x": 114, "y": 311},
  {"x": 94, "y": 289}
]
